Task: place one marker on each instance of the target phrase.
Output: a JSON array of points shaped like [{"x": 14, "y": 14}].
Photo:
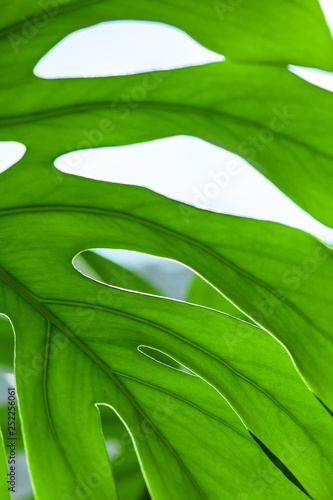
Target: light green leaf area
[
  {"x": 6, "y": 361},
  {"x": 289, "y": 294},
  {"x": 199, "y": 291},
  {"x": 77, "y": 345},
  {"x": 125, "y": 467},
  {"x": 102, "y": 269},
  {"x": 279, "y": 123},
  {"x": 126, "y": 470}
]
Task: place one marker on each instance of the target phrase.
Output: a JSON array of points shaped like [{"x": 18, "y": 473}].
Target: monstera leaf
[
  {"x": 77, "y": 345},
  {"x": 230, "y": 415},
  {"x": 270, "y": 117},
  {"x": 102, "y": 269},
  {"x": 282, "y": 130},
  {"x": 3, "y": 470},
  {"x": 202, "y": 293},
  {"x": 282, "y": 32}
]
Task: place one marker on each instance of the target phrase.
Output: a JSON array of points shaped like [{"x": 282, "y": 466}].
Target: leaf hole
[
  {"x": 319, "y": 78},
  {"x": 121, "y": 48},
  {"x": 114, "y": 448}
]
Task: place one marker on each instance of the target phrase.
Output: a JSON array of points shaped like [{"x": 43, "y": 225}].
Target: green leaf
[
  {"x": 281, "y": 32},
  {"x": 202, "y": 293},
  {"x": 126, "y": 470},
  {"x": 128, "y": 477},
  {"x": 231, "y": 105},
  {"x": 3, "y": 470},
  {"x": 239, "y": 413},
  {"x": 111, "y": 273},
  {"x": 289, "y": 294},
  {"x": 75, "y": 334},
  {"x": 7, "y": 343},
  {"x": 108, "y": 272}
]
